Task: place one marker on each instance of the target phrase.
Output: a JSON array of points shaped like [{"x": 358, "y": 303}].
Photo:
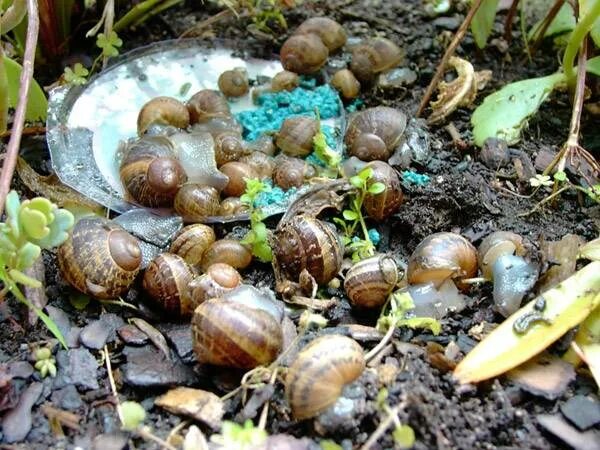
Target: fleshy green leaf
[
  {"x": 593, "y": 66},
  {"x": 133, "y": 415},
  {"x": 560, "y": 176},
  {"x": 37, "y": 104},
  {"x": 376, "y": 188},
  {"x": 504, "y": 113},
  {"x": 366, "y": 173},
  {"x": 357, "y": 182},
  {"x": 404, "y": 436},
  {"x": 59, "y": 229},
  {"x": 260, "y": 231},
  {"x": 34, "y": 223},
  {"x": 349, "y": 215},
  {"x": 27, "y": 255},
  {"x": 262, "y": 251},
  {"x": 330, "y": 445},
  {"x": 483, "y": 21},
  {"x": 21, "y": 278}
]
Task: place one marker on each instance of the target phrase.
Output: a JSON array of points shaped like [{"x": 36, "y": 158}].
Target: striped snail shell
[
  {"x": 207, "y": 104},
  {"x": 219, "y": 279},
  {"x": 163, "y": 111},
  {"x": 331, "y": 33},
  {"x": 195, "y": 202},
  {"x": 192, "y": 241},
  {"x": 292, "y": 172},
  {"x": 295, "y": 138},
  {"x": 369, "y": 282},
  {"x": 375, "y": 56},
  {"x": 381, "y": 206},
  {"x": 228, "y": 251}
]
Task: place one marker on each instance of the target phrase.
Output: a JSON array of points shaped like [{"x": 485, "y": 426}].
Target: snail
[
  {"x": 380, "y": 206},
  {"x": 238, "y": 173},
  {"x": 218, "y": 279},
  {"x": 295, "y": 138},
  {"x": 229, "y": 146},
  {"x": 206, "y": 104},
  {"x": 307, "y": 243},
  {"x": 217, "y": 125},
  {"x": 373, "y": 133},
  {"x": 234, "y": 334},
  {"x": 192, "y": 241},
  {"x": 195, "y": 202},
  {"x": 292, "y": 172},
  {"x": 375, "y": 56},
  {"x": 441, "y": 256},
  {"x": 150, "y": 171},
  {"x": 262, "y": 164},
  {"x": 99, "y": 258},
  {"x": 163, "y": 111},
  {"x": 316, "y": 378},
  {"x": 331, "y": 33},
  {"x": 166, "y": 280},
  {"x": 234, "y": 83},
  {"x": 232, "y": 206},
  {"x": 495, "y": 245},
  {"x": 346, "y": 83},
  {"x": 264, "y": 144},
  {"x": 284, "y": 81},
  {"x": 303, "y": 54},
  {"x": 369, "y": 282},
  {"x": 228, "y": 251}
]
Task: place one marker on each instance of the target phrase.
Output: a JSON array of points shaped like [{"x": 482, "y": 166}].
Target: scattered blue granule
[
  {"x": 409, "y": 176},
  {"x": 374, "y": 236},
  {"x": 331, "y": 139},
  {"x": 354, "y": 105},
  {"x": 308, "y": 82},
  {"x": 275, "y": 107},
  {"x": 273, "y": 196}
]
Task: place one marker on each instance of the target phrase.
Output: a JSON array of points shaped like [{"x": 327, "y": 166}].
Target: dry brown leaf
[{"x": 195, "y": 403}]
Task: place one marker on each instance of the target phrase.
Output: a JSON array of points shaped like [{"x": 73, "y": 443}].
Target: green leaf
[
  {"x": 382, "y": 396},
  {"x": 504, "y": 113},
  {"x": 562, "y": 23},
  {"x": 483, "y": 21},
  {"x": 21, "y": 278},
  {"x": 560, "y": 176},
  {"x": 404, "y": 436},
  {"x": 109, "y": 44},
  {"x": 37, "y": 104},
  {"x": 260, "y": 231},
  {"x": 27, "y": 255},
  {"x": 357, "y": 182},
  {"x": 349, "y": 215},
  {"x": 34, "y": 223},
  {"x": 593, "y": 66},
  {"x": 249, "y": 239},
  {"x": 330, "y": 445},
  {"x": 77, "y": 75},
  {"x": 59, "y": 229},
  {"x": 366, "y": 173},
  {"x": 262, "y": 251},
  {"x": 79, "y": 301},
  {"x": 422, "y": 322},
  {"x": 585, "y": 6},
  {"x": 376, "y": 188},
  {"x": 133, "y": 414}
]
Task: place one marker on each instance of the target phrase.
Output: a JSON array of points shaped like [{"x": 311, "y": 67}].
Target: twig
[
  {"x": 27, "y": 131},
  {"x": 573, "y": 139},
  {"x": 382, "y": 427},
  {"x": 145, "y": 433},
  {"x": 262, "y": 422},
  {"x": 449, "y": 52},
  {"x": 375, "y": 350},
  {"x": 207, "y": 23},
  {"x": 111, "y": 380},
  {"x": 510, "y": 18},
  {"x": 546, "y": 200},
  {"x": 12, "y": 149},
  {"x": 548, "y": 19}
]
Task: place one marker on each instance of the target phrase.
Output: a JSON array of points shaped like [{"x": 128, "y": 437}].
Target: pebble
[
  {"x": 72, "y": 337},
  {"x": 67, "y": 398},
  {"x": 559, "y": 427},
  {"x": 396, "y": 78},
  {"x": 284, "y": 441},
  {"x": 60, "y": 318},
  {"x": 494, "y": 153},
  {"x": 180, "y": 337},
  {"x": 132, "y": 335},
  {"x": 20, "y": 369},
  {"x": 17, "y": 422},
  {"x": 447, "y": 23},
  {"x": 200, "y": 405},
  {"x": 149, "y": 367},
  {"x": 582, "y": 411},
  {"x": 77, "y": 366},
  {"x": 110, "y": 441},
  {"x": 544, "y": 375},
  {"x": 97, "y": 333}
]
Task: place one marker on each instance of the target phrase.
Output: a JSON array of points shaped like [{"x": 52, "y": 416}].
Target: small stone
[
  {"x": 111, "y": 441},
  {"x": 149, "y": 367},
  {"x": 396, "y": 78},
  {"x": 447, "y": 23},
  {"x": 94, "y": 335},
  {"x": 113, "y": 322},
  {"x": 60, "y": 318},
  {"x": 67, "y": 398},
  {"x": 17, "y": 422},
  {"x": 77, "y": 366},
  {"x": 195, "y": 403},
  {"x": 73, "y": 337},
  {"x": 583, "y": 412},
  {"x": 20, "y": 369},
  {"x": 180, "y": 337},
  {"x": 494, "y": 153},
  {"x": 284, "y": 441},
  {"x": 132, "y": 335},
  {"x": 559, "y": 427},
  {"x": 544, "y": 375}
]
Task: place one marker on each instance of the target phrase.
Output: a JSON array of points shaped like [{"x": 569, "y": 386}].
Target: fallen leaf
[
  {"x": 195, "y": 403},
  {"x": 544, "y": 375},
  {"x": 153, "y": 334}
]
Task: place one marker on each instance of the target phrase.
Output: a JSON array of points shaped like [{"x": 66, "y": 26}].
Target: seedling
[
  {"x": 132, "y": 415},
  {"x": 77, "y": 75},
  {"x": 44, "y": 362},
  {"x": 239, "y": 437},
  {"x": 331, "y": 158},
  {"x": 403, "y": 435},
  {"x": 257, "y": 236},
  {"x": 400, "y": 304}
]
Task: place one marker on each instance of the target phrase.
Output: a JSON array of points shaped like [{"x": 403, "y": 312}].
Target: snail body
[
  {"x": 166, "y": 280},
  {"x": 218, "y": 279},
  {"x": 346, "y": 83},
  {"x": 295, "y": 138},
  {"x": 195, "y": 202},
  {"x": 382, "y": 205},
  {"x": 192, "y": 241},
  {"x": 162, "y": 111},
  {"x": 303, "y": 54},
  {"x": 292, "y": 172},
  {"x": 207, "y": 104},
  {"x": 228, "y": 251},
  {"x": 321, "y": 370},
  {"x": 150, "y": 171},
  {"x": 375, "y": 56},
  {"x": 369, "y": 282},
  {"x": 307, "y": 243},
  {"x": 237, "y": 172},
  {"x": 234, "y": 83},
  {"x": 495, "y": 245},
  {"x": 331, "y": 33},
  {"x": 99, "y": 258},
  {"x": 442, "y": 256}
]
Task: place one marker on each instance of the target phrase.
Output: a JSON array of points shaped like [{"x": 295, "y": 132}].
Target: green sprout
[
  {"x": 109, "y": 44},
  {"x": 258, "y": 234},
  {"x": 400, "y": 304},
  {"x": 239, "y": 437},
  {"x": 77, "y": 75},
  {"x": 330, "y": 157},
  {"x": 45, "y": 364},
  {"x": 403, "y": 435},
  {"x": 132, "y": 415},
  {"x": 264, "y": 12}
]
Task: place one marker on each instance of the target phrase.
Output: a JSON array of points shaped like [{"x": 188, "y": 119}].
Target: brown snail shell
[
  {"x": 373, "y": 134},
  {"x": 229, "y": 146},
  {"x": 166, "y": 280},
  {"x": 99, "y": 258},
  {"x": 285, "y": 81},
  {"x": 192, "y": 241},
  {"x": 292, "y": 172},
  {"x": 307, "y": 243},
  {"x": 207, "y": 104},
  {"x": 150, "y": 172},
  {"x": 381, "y": 206},
  {"x": 375, "y": 56},
  {"x": 195, "y": 202},
  {"x": 262, "y": 164},
  {"x": 218, "y": 279},
  {"x": 346, "y": 83},
  {"x": 315, "y": 380},
  {"x": 232, "y": 206},
  {"x": 495, "y": 245},
  {"x": 295, "y": 138},
  {"x": 234, "y": 83},
  {"x": 163, "y": 111},
  {"x": 264, "y": 144},
  {"x": 303, "y": 54},
  {"x": 228, "y": 251},
  {"x": 369, "y": 282},
  {"x": 331, "y": 33},
  {"x": 231, "y": 334},
  {"x": 238, "y": 173},
  {"x": 441, "y": 256}
]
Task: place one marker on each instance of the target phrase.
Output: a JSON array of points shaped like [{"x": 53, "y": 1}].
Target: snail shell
[
  {"x": 292, "y": 172},
  {"x": 284, "y": 81},
  {"x": 295, "y": 138},
  {"x": 331, "y": 33},
  {"x": 381, "y": 206},
  {"x": 231, "y": 334},
  {"x": 191, "y": 242},
  {"x": 228, "y": 251},
  {"x": 232, "y": 206},
  {"x": 346, "y": 83},
  {"x": 99, "y": 258},
  {"x": 166, "y": 280},
  {"x": 375, "y": 56},
  {"x": 441, "y": 256},
  {"x": 264, "y": 144},
  {"x": 373, "y": 134},
  {"x": 303, "y": 53},
  {"x": 218, "y": 279},
  {"x": 237, "y": 172},
  {"x": 307, "y": 243},
  {"x": 316, "y": 378},
  {"x": 207, "y": 104},
  {"x": 150, "y": 172},
  {"x": 234, "y": 83},
  {"x": 163, "y": 111},
  {"x": 195, "y": 202},
  {"x": 262, "y": 164},
  {"x": 229, "y": 146},
  {"x": 495, "y": 245},
  {"x": 369, "y": 282}
]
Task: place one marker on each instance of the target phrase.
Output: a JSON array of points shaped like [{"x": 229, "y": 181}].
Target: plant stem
[
  {"x": 573, "y": 139},
  {"x": 510, "y": 18},
  {"x": 375, "y": 350},
  {"x": 12, "y": 149},
  {"x": 548, "y": 19},
  {"x": 160, "y": 8},
  {"x": 135, "y": 13},
  {"x": 382, "y": 427},
  {"x": 13, "y": 16},
  {"x": 3, "y": 94},
  {"x": 578, "y": 35},
  {"x": 449, "y": 52}
]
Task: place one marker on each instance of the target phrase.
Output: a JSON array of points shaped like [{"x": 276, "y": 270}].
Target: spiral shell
[
  {"x": 262, "y": 164},
  {"x": 192, "y": 241},
  {"x": 229, "y": 146},
  {"x": 295, "y": 138},
  {"x": 375, "y": 56},
  {"x": 495, "y": 245},
  {"x": 234, "y": 83},
  {"x": 285, "y": 81},
  {"x": 195, "y": 202},
  {"x": 292, "y": 172},
  {"x": 331, "y": 33},
  {"x": 381, "y": 206},
  {"x": 238, "y": 173},
  {"x": 163, "y": 111},
  {"x": 346, "y": 83},
  {"x": 232, "y": 206},
  {"x": 207, "y": 104},
  {"x": 218, "y": 279},
  {"x": 303, "y": 54},
  {"x": 228, "y": 251},
  {"x": 369, "y": 282}
]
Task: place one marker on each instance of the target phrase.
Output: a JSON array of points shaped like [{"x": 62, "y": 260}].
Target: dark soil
[{"x": 461, "y": 197}]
